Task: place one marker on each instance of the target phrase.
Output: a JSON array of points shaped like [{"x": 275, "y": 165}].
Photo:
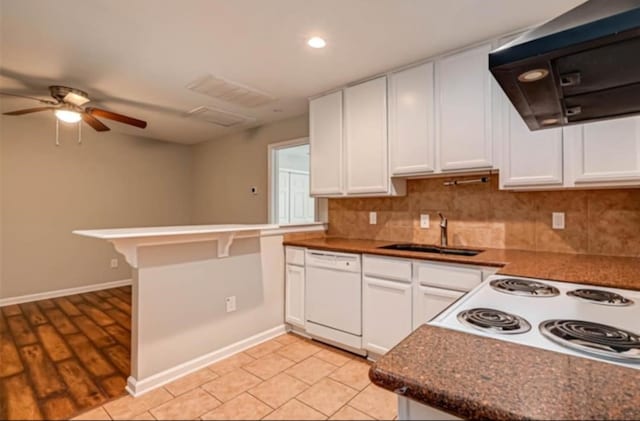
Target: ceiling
[{"x": 137, "y": 57}]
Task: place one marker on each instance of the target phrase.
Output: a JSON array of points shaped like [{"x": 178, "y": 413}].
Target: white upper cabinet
[
  {"x": 529, "y": 158},
  {"x": 464, "y": 110},
  {"x": 604, "y": 153},
  {"x": 365, "y": 125},
  {"x": 411, "y": 121},
  {"x": 325, "y": 138}
]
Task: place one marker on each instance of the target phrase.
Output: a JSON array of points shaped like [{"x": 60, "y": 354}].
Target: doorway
[{"x": 289, "y": 198}]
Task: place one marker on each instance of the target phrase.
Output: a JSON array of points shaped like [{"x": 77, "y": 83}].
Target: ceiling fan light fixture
[
  {"x": 76, "y": 99},
  {"x": 68, "y": 116}
]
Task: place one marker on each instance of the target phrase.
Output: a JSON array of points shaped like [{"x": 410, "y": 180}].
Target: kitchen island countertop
[{"x": 475, "y": 377}]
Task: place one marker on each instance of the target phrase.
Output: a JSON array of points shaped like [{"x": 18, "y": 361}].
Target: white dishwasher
[{"x": 333, "y": 304}]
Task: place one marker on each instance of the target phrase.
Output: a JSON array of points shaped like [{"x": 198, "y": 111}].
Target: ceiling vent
[
  {"x": 219, "y": 117},
  {"x": 230, "y": 92}
]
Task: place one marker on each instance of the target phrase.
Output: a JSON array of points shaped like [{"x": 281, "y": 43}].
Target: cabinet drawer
[
  {"x": 295, "y": 256},
  {"x": 457, "y": 277},
  {"x": 387, "y": 268}
]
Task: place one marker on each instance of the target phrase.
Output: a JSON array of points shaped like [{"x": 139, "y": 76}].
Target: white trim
[
  {"x": 63, "y": 292},
  {"x": 138, "y": 388},
  {"x": 286, "y": 229}
]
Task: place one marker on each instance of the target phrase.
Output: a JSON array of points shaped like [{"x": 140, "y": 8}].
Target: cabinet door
[
  {"x": 325, "y": 140},
  {"x": 411, "y": 121},
  {"x": 605, "y": 151},
  {"x": 464, "y": 110},
  {"x": 294, "y": 295},
  {"x": 431, "y": 301},
  {"x": 366, "y": 137},
  {"x": 529, "y": 158},
  {"x": 382, "y": 330}
]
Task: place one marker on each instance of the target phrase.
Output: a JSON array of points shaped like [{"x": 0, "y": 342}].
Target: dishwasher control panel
[{"x": 331, "y": 260}]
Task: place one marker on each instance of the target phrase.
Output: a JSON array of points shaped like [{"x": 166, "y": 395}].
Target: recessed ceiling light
[
  {"x": 533, "y": 75},
  {"x": 317, "y": 42}
]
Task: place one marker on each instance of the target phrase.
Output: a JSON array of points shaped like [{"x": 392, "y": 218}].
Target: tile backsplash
[{"x": 480, "y": 215}]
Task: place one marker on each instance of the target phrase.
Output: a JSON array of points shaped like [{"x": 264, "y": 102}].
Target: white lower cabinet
[
  {"x": 386, "y": 313},
  {"x": 294, "y": 295},
  {"x": 294, "y": 288},
  {"x": 429, "y": 302}
]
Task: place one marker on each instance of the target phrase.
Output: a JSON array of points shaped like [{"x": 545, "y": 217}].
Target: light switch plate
[
  {"x": 424, "y": 220},
  {"x": 557, "y": 220},
  {"x": 231, "y": 303},
  {"x": 373, "y": 218}
]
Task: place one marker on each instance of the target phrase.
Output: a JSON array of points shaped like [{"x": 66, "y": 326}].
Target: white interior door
[
  {"x": 300, "y": 203},
  {"x": 283, "y": 197}
]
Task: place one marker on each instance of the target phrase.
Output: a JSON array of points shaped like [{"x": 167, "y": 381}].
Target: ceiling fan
[{"x": 68, "y": 106}]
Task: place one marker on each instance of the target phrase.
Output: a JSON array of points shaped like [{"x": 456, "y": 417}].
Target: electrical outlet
[
  {"x": 373, "y": 218},
  {"x": 424, "y": 220},
  {"x": 557, "y": 220},
  {"x": 114, "y": 263},
  {"x": 231, "y": 303}
]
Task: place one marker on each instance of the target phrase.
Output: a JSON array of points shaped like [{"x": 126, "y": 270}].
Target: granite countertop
[
  {"x": 475, "y": 377},
  {"x": 606, "y": 271}
]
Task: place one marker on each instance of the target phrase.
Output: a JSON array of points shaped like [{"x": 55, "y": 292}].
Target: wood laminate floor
[{"x": 60, "y": 357}]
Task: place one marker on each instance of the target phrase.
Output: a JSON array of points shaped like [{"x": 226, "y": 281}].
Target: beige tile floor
[{"x": 287, "y": 378}]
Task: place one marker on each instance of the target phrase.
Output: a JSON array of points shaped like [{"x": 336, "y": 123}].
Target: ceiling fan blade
[
  {"x": 116, "y": 117},
  {"x": 29, "y": 110},
  {"x": 94, "y": 122},
  {"x": 44, "y": 101}
]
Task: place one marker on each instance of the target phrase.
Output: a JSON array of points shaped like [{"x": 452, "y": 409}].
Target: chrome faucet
[{"x": 444, "y": 241}]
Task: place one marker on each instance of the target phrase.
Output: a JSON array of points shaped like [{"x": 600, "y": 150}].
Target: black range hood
[{"x": 581, "y": 66}]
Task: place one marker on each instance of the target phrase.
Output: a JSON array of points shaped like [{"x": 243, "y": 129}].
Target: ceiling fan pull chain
[
  {"x": 80, "y": 133},
  {"x": 57, "y": 132}
]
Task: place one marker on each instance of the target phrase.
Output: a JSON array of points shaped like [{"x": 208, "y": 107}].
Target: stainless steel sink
[{"x": 426, "y": 248}]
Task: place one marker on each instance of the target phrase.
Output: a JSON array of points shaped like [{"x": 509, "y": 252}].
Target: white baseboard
[
  {"x": 140, "y": 387},
  {"x": 63, "y": 292}
]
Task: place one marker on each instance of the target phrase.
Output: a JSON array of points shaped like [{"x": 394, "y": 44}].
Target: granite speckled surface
[
  {"x": 475, "y": 377},
  {"x": 607, "y": 271}
]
